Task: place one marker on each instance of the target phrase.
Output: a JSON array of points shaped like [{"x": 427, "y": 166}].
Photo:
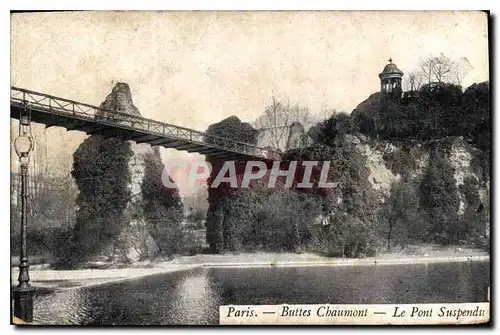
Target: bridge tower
[{"x": 390, "y": 81}]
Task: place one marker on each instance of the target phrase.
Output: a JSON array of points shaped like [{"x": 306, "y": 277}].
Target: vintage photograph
[{"x": 250, "y": 168}]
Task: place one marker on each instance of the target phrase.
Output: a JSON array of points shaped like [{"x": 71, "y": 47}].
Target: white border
[{"x": 207, "y": 5}]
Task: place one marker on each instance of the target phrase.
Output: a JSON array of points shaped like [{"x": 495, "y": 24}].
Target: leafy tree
[
  {"x": 282, "y": 221},
  {"x": 162, "y": 206},
  {"x": 233, "y": 129},
  {"x": 100, "y": 170},
  {"x": 439, "y": 198},
  {"x": 400, "y": 218},
  {"x": 219, "y": 220},
  {"x": 349, "y": 236},
  {"x": 333, "y": 129}
]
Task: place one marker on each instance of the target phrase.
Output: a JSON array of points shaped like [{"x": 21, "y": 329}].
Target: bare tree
[
  {"x": 274, "y": 123},
  {"x": 460, "y": 70},
  {"x": 52, "y": 191},
  {"x": 427, "y": 69},
  {"x": 444, "y": 69},
  {"x": 302, "y": 115},
  {"x": 413, "y": 81}
]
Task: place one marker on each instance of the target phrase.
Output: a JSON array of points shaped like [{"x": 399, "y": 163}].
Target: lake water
[{"x": 193, "y": 297}]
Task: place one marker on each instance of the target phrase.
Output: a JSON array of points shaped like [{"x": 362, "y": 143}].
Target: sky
[{"x": 195, "y": 68}]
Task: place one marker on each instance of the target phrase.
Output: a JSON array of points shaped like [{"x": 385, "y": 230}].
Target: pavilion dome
[{"x": 391, "y": 69}]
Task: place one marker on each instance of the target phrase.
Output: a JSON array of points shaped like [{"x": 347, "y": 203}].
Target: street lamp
[{"x": 23, "y": 293}]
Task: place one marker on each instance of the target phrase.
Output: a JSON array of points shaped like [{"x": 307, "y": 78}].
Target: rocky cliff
[
  {"x": 135, "y": 238},
  {"x": 388, "y": 165},
  {"x": 130, "y": 238}
]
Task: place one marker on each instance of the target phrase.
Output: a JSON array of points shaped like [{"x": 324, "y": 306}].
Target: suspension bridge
[{"x": 55, "y": 111}]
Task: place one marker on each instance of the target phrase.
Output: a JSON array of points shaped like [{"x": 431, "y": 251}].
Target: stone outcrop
[
  {"x": 297, "y": 137},
  {"x": 459, "y": 153},
  {"x": 460, "y": 156},
  {"x": 134, "y": 241},
  {"x": 120, "y": 99},
  {"x": 284, "y": 138},
  {"x": 140, "y": 243},
  {"x": 381, "y": 177},
  {"x": 461, "y": 159}
]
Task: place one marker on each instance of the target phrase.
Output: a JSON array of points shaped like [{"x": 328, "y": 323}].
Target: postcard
[{"x": 250, "y": 168}]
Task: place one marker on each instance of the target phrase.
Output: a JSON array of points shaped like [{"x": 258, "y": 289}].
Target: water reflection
[
  {"x": 62, "y": 307},
  {"x": 196, "y": 299},
  {"x": 193, "y": 297}
]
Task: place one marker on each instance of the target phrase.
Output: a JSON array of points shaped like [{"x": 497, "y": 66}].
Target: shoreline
[
  {"x": 59, "y": 280},
  {"x": 354, "y": 262}
]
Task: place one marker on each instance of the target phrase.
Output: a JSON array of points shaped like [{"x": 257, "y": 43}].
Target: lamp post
[{"x": 23, "y": 293}]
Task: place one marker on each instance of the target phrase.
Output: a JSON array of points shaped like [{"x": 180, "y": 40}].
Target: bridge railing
[{"x": 57, "y": 105}]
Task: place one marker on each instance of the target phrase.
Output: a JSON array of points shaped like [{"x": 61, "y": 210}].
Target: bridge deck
[{"x": 72, "y": 115}]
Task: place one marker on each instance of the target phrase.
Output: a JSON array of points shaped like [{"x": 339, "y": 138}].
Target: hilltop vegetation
[
  {"x": 426, "y": 207},
  {"x": 436, "y": 111}
]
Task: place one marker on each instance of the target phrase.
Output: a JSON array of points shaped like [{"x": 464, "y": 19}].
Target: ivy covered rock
[
  {"x": 101, "y": 172},
  {"x": 125, "y": 213}
]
